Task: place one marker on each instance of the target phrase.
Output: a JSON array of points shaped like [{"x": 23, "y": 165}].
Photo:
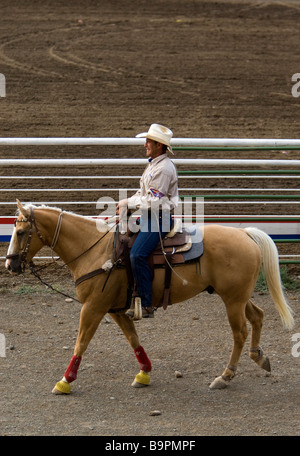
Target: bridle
[
  {"x": 23, "y": 256},
  {"x": 33, "y": 226}
]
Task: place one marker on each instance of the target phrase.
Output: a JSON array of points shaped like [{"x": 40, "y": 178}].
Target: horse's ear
[{"x": 22, "y": 209}]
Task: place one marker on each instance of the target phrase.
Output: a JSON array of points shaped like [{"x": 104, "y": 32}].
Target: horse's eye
[{"x": 20, "y": 233}]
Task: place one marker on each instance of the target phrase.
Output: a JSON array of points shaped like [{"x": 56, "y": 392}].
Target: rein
[
  {"x": 57, "y": 231},
  {"x": 32, "y": 268},
  {"x": 48, "y": 285}
]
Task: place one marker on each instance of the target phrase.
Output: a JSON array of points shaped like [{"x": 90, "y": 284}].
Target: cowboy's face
[{"x": 153, "y": 148}]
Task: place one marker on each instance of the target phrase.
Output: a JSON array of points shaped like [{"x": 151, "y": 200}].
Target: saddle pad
[
  {"x": 193, "y": 250},
  {"x": 197, "y": 245}
]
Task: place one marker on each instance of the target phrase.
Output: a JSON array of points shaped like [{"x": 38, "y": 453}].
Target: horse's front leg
[
  {"x": 90, "y": 318},
  {"x": 128, "y": 328}
]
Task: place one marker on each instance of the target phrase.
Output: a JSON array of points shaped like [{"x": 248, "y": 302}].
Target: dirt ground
[{"x": 110, "y": 69}]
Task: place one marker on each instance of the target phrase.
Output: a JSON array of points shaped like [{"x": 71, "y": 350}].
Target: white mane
[{"x": 93, "y": 219}]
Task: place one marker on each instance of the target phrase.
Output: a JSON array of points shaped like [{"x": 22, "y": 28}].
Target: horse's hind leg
[
  {"x": 255, "y": 315},
  {"x": 237, "y": 320},
  {"x": 128, "y": 328}
]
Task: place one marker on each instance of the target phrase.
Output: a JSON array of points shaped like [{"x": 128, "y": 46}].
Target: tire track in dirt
[
  {"x": 19, "y": 40},
  {"x": 69, "y": 58},
  {"x": 17, "y": 65}
]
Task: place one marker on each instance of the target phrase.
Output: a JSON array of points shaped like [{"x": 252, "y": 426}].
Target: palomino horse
[{"x": 230, "y": 265}]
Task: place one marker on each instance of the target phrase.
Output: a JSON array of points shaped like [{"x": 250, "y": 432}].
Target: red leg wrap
[
  {"x": 144, "y": 361},
  {"x": 71, "y": 372}
]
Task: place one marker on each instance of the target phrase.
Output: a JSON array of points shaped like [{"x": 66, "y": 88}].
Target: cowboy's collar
[{"x": 157, "y": 159}]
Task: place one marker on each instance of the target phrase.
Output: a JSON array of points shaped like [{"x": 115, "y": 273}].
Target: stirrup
[{"x": 135, "y": 311}]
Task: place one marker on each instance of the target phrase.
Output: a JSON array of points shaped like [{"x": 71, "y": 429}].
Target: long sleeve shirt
[{"x": 158, "y": 185}]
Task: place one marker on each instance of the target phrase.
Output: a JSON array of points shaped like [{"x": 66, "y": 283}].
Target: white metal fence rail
[{"x": 184, "y": 143}]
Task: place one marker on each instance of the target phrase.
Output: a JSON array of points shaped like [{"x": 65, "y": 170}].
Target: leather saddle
[
  {"x": 169, "y": 253},
  {"x": 174, "y": 243}
]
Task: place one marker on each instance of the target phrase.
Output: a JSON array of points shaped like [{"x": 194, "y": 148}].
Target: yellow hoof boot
[
  {"x": 62, "y": 388},
  {"x": 141, "y": 379}
]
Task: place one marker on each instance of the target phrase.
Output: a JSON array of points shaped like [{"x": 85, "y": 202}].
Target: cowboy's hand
[
  {"x": 121, "y": 207},
  {"x": 122, "y": 212}
]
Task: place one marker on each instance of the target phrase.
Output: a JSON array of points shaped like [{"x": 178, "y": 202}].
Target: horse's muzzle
[{"x": 13, "y": 264}]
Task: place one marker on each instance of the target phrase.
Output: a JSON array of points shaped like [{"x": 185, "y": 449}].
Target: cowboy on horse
[{"x": 156, "y": 199}]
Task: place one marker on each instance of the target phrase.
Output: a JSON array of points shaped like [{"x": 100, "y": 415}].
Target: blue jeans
[{"x": 146, "y": 241}]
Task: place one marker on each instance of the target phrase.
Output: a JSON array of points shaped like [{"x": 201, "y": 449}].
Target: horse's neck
[{"x": 80, "y": 237}]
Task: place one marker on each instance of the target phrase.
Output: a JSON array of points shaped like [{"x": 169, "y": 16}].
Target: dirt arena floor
[{"x": 110, "y": 69}]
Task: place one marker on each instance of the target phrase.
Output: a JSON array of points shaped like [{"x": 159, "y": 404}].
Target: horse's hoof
[
  {"x": 263, "y": 362},
  {"x": 141, "y": 379},
  {"x": 218, "y": 383},
  {"x": 138, "y": 385},
  {"x": 266, "y": 364},
  {"x": 62, "y": 388},
  {"x": 56, "y": 391}
]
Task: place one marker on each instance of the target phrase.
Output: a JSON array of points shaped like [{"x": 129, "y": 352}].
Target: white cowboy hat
[{"x": 160, "y": 134}]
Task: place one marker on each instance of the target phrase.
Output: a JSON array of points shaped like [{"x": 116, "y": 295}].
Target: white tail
[{"x": 270, "y": 266}]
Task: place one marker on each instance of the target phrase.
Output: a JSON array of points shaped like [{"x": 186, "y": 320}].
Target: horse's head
[{"x": 26, "y": 240}]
